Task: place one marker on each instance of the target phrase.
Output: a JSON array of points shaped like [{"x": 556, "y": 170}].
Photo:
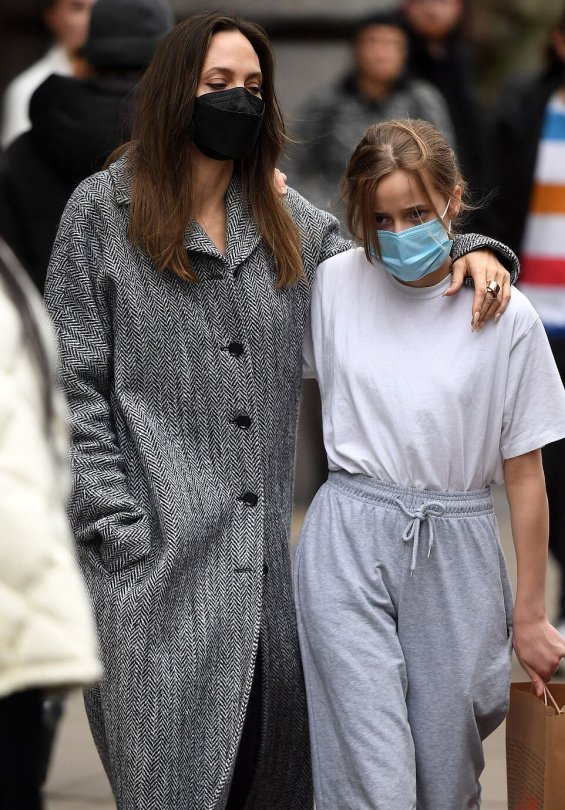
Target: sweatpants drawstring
[{"x": 430, "y": 510}]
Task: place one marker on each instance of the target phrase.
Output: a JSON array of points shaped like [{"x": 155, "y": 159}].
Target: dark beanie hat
[
  {"x": 124, "y": 34},
  {"x": 391, "y": 18}
]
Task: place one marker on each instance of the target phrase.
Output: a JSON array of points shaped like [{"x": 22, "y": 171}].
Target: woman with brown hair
[{"x": 180, "y": 286}]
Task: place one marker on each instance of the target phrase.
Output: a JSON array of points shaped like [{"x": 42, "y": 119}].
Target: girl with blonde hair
[{"x": 404, "y": 605}]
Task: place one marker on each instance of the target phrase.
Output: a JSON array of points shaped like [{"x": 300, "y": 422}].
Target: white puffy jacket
[{"x": 47, "y": 635}]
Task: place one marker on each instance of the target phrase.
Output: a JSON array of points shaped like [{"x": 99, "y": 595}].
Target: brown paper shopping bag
[{"x": 535, "y": 748}]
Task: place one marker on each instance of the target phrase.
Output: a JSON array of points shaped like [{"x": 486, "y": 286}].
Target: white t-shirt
[
  {"x": 410, "y": 395},
  {"x": 15, "y": 115}
]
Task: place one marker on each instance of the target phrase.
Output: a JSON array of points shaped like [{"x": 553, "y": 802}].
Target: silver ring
[{"x": 493, "y": 287}]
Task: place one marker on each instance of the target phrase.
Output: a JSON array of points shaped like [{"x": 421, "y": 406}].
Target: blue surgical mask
[{"x": 415, "y": 252}]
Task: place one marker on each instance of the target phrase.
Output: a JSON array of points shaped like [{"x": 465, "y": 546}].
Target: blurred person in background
[
  {"x": 440, "y": 55},
  {"x": 47, "y": 637},
  {"x": 68, "y": 21},
  {"x": 76, "y": 123},
  {"x": 527, "y": 160},
  {"x": 180, "y": 287},
  {"x": 510, "y": 37},
  {"x": 330, "y": 123}
]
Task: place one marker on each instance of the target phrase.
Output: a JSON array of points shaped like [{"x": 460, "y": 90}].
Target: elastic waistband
[{"x": 371, "y": 490}]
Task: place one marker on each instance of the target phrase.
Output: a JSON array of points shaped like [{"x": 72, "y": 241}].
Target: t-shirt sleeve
[{"x": 534, "y": 406}]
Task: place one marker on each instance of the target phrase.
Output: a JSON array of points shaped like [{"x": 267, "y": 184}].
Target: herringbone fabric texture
[{"x": 184, "y": 402}]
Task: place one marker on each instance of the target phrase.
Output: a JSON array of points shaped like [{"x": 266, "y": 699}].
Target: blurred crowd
[{"x": 67, "y": 113}]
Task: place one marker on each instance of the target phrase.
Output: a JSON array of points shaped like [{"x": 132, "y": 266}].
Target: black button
[
  {"x": 236, "y": 349},
  {"x": 250, "y": 499},
  {"x": 265, "y": 568},
  {"x": 243, "y": 421}
]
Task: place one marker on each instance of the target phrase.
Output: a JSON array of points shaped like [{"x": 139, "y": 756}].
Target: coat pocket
[{"x": 125, "y": 539}]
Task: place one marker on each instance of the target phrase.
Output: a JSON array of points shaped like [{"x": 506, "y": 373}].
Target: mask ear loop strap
[
  {"x": 447, "y": 228},
  {"x": 443, "y": 215}
]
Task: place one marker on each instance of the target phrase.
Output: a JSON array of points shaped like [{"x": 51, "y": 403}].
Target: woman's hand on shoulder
[
  {"x": 483, "y": 267},
  {"x": 539, "y": 648}
]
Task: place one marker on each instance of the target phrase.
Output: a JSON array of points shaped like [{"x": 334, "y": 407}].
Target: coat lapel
[
  {"x": 242, "y": 235},
  {"x": 121, "y": 179}
]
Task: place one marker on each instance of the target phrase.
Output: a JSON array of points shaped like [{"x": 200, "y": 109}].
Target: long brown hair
[
  {"x": 162, "y": 200},
  {"x": 408, "y": 145}
]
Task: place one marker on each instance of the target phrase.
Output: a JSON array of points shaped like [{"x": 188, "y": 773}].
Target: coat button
[
  {"x": 236, "y": 349},
  {"x": 250, "y": 499},
  {"x": 243, "y": 421}
]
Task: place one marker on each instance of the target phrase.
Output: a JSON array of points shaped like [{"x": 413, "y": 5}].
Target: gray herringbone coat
[
  {"x": 161, "y": 376},
  {"x": 184, "y": 401}
]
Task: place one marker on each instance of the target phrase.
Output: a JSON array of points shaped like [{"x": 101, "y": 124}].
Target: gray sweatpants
[{"x": 404, "y": 615}]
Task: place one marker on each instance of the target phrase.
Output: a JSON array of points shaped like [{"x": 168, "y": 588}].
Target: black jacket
[
  {"x": 516, "y": 131},
  {"x": 451, "y": 71},
  {"x": 76, "y": 124}
]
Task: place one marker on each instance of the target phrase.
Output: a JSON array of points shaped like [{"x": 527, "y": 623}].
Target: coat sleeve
[
  {"x": 319, "y": 232},
  {"x": 103, "y": 513},
  {"x": 467, "y": 243}
]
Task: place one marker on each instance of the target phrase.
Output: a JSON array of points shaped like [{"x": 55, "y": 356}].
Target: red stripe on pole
[{"x": 538, "y": 270}]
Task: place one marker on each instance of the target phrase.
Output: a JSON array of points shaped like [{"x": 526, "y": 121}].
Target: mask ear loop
[
  {"x": 445, "y": 212},
  {"x": 447, "y": 227}
]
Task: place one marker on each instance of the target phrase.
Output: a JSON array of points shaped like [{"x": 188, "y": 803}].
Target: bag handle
[{"x": 546, "y": 692}]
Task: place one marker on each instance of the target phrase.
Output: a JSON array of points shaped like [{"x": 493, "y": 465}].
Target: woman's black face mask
[{"x": 227, "y": 123}]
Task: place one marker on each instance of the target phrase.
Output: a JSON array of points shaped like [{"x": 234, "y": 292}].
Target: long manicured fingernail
[{"x": 497, "y": 316}]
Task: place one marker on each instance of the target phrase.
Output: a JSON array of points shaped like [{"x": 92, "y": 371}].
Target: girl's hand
[
  {"x": 482, "y": 266},
  {"x": 539, "y": 648}
]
